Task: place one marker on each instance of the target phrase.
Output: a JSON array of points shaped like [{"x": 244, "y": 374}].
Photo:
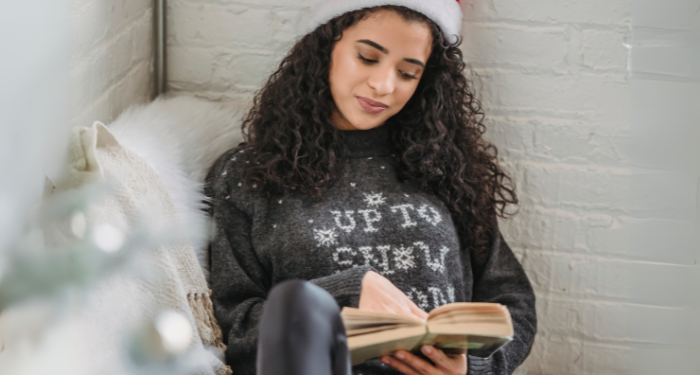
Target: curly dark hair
[{"x": 290, "y": 143}]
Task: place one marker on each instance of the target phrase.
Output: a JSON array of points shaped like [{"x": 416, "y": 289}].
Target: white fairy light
[
  {"x": 175, "y": 331},
  {"x": 78, "y": 225},
  {"x": 108, "y": 238}
]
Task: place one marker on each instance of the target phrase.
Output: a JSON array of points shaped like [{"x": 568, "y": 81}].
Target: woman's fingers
[
  {"x": 399, "y": 365},
  {"x": 437, "y": 356},
  {"x": 449, "y": 364},
  {"x": 380, "y": 294},
  {"x": 410, "y": 364},
  {"x": 420, "y": 365}
]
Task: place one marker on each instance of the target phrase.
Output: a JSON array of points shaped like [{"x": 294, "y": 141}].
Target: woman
[{"x": 364, "y": 171}]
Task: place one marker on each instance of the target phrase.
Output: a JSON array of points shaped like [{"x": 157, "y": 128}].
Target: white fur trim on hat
[{"x": 446, "y": 13}]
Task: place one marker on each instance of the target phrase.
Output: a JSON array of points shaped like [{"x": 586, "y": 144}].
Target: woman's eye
[
  {"x": 408, "y": 75},
  {"x": 366, "y": 60}
]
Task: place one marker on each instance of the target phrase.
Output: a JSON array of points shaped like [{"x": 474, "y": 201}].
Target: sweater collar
[{"x": 366, "y": 143}]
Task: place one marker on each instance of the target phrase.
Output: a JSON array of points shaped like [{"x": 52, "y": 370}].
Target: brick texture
[{"x": 111, "y": 58}]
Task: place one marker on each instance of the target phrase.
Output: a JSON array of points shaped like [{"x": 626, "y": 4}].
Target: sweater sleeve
[
  {"x": 502, "y": 279},
  {"x": 239, "y": 281}
]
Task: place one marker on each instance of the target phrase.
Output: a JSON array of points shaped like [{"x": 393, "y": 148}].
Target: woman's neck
[{"x": 367, "y": 143}]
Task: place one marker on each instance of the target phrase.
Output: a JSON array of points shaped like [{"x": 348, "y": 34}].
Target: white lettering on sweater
[
  {"x": 422, "y": 298},
  {"x": 346, "y": 220},
  {"x": 435, "y": 219},
  {"x": 348, "y": 228},
  {"x": 344, "y": 250},
  {"x": 439, "y": 298},
  {"x": 419, "y": 298},
  {"x": 369, "y": 220},
  {"x": 384, "y": 250},
  {"x": 437, "y": 264},
  {"x": 371, "y": 260},
  {"x": 406, "y": 217},
  {"x": 389, "y": 259},
  {"x": 401, "y": 259}
]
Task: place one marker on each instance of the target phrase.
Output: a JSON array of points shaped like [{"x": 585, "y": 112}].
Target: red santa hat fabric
[{"x": 445, "y": 13}]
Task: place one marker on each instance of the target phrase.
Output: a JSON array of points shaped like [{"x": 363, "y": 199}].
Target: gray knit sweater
[{"x": 368, "y": 220}]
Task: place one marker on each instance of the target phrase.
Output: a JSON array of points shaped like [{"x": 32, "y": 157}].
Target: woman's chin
[{"x": 367, "y": 125}]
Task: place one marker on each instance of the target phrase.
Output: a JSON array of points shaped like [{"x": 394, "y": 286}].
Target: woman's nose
[{"x": 382, "y": 81}]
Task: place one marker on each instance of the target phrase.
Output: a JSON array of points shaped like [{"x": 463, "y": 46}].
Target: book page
[
  {"x": 469, "y": 308},
  {"x": 374, "y": 329},
  {"x": 486, "y": 319},
  {"x": 354, "y": 314},
  {"x": 481, "y": 328},
  {"x": 364, "y": 347}
]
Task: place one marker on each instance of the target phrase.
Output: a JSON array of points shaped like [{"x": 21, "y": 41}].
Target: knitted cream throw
[{"x": 95, "y": 156}]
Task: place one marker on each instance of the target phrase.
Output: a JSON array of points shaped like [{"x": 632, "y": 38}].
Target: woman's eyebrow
[
  {"x": 414, "y": 61},
  {"x": 373, "y": 44},
  {"x": 386, "y": 51}
]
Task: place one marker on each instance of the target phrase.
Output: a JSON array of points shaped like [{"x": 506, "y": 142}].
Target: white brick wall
[
  {"x": 226, "y": 49},
  {"x": 590, "y": 103},
  {"x": 111, "y": 57}
]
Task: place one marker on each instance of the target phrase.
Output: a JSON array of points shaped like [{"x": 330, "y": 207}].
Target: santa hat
[{"x": 445, "y": 13}]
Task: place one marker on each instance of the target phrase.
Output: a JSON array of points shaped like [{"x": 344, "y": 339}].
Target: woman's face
[{"x": 375, "y": 69}]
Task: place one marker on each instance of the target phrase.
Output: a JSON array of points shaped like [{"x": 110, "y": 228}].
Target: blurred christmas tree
[{"x": 47, "y": 280}]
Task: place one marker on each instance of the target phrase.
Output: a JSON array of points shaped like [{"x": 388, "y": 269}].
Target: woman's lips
[{"x": 370, "y": 106}]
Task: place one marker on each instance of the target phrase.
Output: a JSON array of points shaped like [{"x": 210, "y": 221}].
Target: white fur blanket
[
  {"x": 156, "y": 157},
  {"x": 180, "y": 138}
]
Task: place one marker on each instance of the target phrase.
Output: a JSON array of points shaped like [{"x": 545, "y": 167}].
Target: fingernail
[
  {"x": 427, "y": 350},
  {"x": 400, "y": 356},
  {"x": 385, "y": 360}
]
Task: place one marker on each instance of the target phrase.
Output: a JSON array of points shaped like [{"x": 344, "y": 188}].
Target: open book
[{"x": 480, "y": 328}]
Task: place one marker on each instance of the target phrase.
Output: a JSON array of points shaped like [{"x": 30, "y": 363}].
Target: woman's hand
[
  {"x": 445, "y": 364},
  {"x": 379, "y": 294}
]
